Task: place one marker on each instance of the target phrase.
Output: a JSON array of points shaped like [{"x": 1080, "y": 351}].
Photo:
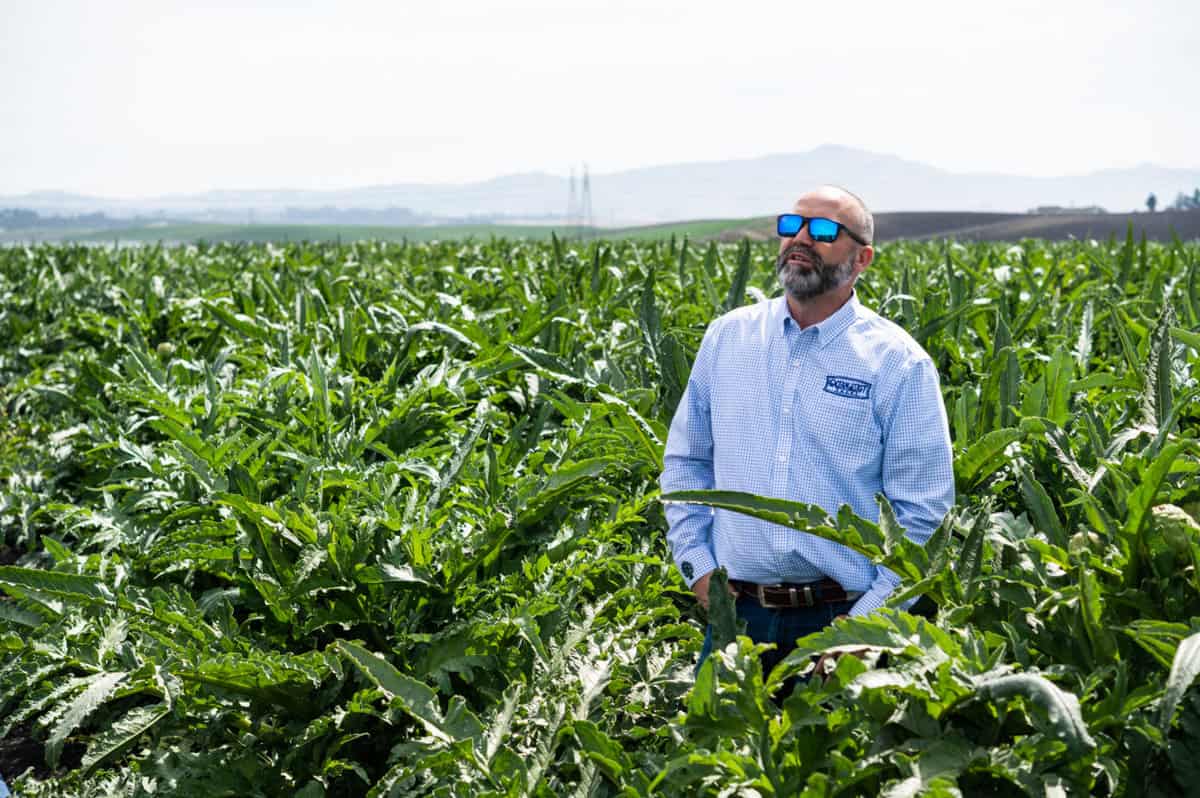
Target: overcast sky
[{"x": 136, "y": 98}]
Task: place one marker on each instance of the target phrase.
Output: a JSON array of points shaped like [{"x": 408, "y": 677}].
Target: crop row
[{"x": 383, "y": 519}]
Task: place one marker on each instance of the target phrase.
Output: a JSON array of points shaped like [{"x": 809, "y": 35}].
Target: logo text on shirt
[{"x": 847, "y": 387}]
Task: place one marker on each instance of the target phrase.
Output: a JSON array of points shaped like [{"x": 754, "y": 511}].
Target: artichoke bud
[
  {"x": 1177, "y": 528},
  {"x": 1084, "y": 541}
]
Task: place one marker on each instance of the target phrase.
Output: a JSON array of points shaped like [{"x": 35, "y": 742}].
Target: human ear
[{"x": 864, "y": 257}]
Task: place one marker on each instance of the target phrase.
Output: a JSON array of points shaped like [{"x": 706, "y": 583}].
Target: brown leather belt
[{"x": 809, "y": 594}]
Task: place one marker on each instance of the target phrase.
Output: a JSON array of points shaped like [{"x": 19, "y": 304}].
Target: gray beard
[{"x": 804, "y": 284}]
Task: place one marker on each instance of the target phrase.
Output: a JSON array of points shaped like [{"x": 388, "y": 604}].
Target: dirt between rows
[
  {"x": 19, "y": 752},
  {"x": 972, "y": 226}
]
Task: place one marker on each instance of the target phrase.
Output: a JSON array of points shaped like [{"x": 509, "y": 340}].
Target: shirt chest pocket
[{"x": 839, "y": 428}]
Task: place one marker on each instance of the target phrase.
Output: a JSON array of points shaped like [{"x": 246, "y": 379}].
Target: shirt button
[
  {"x": 796, "y": 362},
  {"x": 783, "y": 458},
  {"x": 787, "y": 411}
]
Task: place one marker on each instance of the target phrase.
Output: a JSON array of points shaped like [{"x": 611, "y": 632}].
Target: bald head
[{"x": 851, "y": 210}]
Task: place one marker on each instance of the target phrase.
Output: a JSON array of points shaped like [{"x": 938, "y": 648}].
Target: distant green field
[
  {"x": 706, "y": 228},
  {"x": 259, "y": 233},
  {"x": 916, "y": 225}
]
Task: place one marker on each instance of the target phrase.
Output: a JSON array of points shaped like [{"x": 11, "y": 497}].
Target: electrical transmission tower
[
  {"x": 579, "y": 204},
  {"x": 572, "y": 204},
  {"x": 585, "y": 203}
]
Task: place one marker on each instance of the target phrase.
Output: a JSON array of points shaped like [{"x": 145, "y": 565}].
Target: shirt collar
[{"x": 827, "y": 330}]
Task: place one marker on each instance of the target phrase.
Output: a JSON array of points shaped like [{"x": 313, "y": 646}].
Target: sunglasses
[{"x": 819, "y": 228}]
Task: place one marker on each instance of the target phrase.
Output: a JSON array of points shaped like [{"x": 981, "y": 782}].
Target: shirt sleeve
[
  {"x": 918, "y": 468},
  {"x": 688, "y": 465}
]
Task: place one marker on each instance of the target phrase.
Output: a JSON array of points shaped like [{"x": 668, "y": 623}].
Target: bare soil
[
  {"x": 974, "y": 226},
  {"x": 19, "y": 752},
  {"x": 9, "y": 554},
  {"x": 1054, "y": 227}
]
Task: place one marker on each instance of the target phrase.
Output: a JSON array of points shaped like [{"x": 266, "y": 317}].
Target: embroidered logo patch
[
  {"x": 848, "y": 387},
  {"x": 687, "y": 570}
]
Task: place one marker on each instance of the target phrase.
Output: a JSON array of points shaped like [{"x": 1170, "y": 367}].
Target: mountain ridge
[{"x": 731, "y": 188}]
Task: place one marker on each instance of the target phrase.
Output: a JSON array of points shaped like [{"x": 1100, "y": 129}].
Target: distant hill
[{"x": 708, "y": 190}]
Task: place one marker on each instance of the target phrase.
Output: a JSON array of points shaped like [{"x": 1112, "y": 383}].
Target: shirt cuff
[
  {"x": 870, "y": 601},
  {"x": 695, "y": 563},
  {"x": 876, "y": 597}
]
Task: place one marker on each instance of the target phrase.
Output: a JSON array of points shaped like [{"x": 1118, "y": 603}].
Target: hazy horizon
[
  {"x": 53, "y": 190},
  {"x": 136, "y": 99}
]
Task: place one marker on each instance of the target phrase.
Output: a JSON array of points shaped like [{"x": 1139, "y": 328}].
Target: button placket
[
  {"x": 802, "y": 355},
  {"x": 785, "y": 447}
]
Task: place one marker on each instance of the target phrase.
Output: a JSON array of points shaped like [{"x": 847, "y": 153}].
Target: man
[{"x": 814, "y": 398}]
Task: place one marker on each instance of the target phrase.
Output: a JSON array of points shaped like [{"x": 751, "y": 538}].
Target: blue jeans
[{"x": 783, "y": 627}]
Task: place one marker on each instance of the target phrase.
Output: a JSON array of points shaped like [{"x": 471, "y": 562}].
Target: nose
[{"x": 803, "y": 237}]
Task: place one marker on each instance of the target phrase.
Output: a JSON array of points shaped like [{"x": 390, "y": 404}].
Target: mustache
[
  {"x": 796, "y": 246},
  {"x": 816, "y": 277}
]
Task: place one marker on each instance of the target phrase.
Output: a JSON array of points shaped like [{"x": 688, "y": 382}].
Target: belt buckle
[
  {"x": 803, "y": 597},
  {"x": 760, "y": 593}
]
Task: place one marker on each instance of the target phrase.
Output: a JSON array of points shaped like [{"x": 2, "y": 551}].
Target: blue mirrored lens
[
  {"x": 823, "y": 229},
  {"x": 789, "y": 224}
]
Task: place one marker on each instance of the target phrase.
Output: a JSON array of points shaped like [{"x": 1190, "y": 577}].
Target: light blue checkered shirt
[{"x": 829, "y": 415}]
